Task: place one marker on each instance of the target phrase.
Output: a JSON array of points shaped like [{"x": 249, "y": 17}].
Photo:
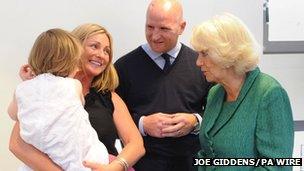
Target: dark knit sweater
[{"x": 147, "y": 89}]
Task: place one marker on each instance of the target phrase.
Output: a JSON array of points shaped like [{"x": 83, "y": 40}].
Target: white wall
[
  {"x": 282, "y": 12},
  {"x": 22, "y": 21}
]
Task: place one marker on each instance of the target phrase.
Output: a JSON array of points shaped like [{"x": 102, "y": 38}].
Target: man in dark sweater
[{"x": 164, "y": 91}]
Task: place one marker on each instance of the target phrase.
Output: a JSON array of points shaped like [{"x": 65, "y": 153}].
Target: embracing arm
[
  {"x": 133, "y": 143},
  {"x": 29, "y": 154}
]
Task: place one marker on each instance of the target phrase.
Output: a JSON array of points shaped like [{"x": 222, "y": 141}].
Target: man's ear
[{"x": 182, "y": 27}]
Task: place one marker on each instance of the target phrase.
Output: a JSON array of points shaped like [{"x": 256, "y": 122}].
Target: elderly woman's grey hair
[{"x": 228, "y": 42}]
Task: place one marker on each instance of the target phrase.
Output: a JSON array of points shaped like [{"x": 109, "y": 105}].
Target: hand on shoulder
[{"x": 26, "y": 73}]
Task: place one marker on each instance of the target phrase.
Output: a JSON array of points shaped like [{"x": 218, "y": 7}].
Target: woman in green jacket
[{"x": 248, "y": 113}]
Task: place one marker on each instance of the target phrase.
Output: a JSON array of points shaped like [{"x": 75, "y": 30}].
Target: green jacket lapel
[
  {"x": 251, "y": 76},
  {"x": 213, "y": 107}
]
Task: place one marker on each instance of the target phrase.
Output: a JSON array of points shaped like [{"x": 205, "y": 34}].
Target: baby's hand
[
  {"x": 26, "y": 72},
  {"x": 94, "y": 166}
]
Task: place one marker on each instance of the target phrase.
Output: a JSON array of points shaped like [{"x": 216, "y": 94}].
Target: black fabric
[
  {"x": 146, "y": 89},
  {"x": 167, "y": 61},
  {"x": 159, "y": 163},
  {"x": 100, "y": 108}
]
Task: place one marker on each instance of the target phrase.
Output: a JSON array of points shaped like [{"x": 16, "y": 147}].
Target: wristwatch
[{"x": 196, "y": 127}]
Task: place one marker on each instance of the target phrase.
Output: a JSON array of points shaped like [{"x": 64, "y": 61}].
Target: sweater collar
[{"x": 153, "y": 55}]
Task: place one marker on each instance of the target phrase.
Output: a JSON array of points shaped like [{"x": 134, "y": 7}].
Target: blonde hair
[
  {"x": 228, "y": 42},
  {"x": 55, "y": 51},
  {"x": 108, "y": 79}
]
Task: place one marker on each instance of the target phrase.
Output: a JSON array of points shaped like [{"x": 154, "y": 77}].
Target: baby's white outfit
[{"x": 53, "y": 120}]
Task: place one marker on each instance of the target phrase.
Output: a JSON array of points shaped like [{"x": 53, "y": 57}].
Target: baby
[{"x": 49, "y": 107}]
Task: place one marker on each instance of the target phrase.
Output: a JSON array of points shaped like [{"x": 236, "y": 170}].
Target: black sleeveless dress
[{"x": 100, "y": 108}]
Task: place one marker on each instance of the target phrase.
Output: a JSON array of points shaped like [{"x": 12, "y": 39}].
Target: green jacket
[{"x": 258, "y": 125}]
